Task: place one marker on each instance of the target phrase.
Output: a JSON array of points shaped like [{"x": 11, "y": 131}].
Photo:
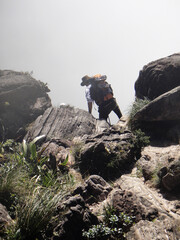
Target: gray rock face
[
  {"x": 163, "y": 108},
  {"x": 22, "y": 100},
  {"x": 158, "y": 230},
  {"x": 63, "y": 122},
  {"x": 77, "y": 217},
  {"x": 161, "y": 166},
  {"x": 171, "y": 179},
  {"x": 108, "y": 154},
  {"x": 94, "y": 190},
  {"x": 153, "y": 213},
  {"x": 158, "y": 77},
  {"x": 161, "y": 117}
]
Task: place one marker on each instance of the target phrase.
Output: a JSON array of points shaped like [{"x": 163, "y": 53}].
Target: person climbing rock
[{"x": 100, "y": 91}]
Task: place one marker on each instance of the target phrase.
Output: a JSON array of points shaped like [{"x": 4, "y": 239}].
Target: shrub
[
  {"x": 13, "y": 184},
  {"x": 114, "y": 226},
  {"x": 136, "y": 106},
  {"x": 35, "y": 212},
  {"x": 30, "y": 191},
  {"x": 140, "y": 141}
]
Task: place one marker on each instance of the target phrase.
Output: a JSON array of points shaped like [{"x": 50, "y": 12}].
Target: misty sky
[{"x": 63, "y": 40}]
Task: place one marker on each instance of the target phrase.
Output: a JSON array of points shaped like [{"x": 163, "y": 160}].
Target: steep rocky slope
[
  {"x": 144, "y": 185},
  {"x": 22, "y": 100},
  {"x": 112, "y": 167}
]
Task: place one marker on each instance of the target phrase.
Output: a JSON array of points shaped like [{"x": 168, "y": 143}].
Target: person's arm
[
  {"x": 90, "y": 107},
  {"x": 88, "y": 98}
]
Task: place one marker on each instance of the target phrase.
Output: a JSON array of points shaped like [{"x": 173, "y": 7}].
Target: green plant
[
  {"x": 76, "y": 149},
  {"x": 4, "y": 146},
  {"x": 137, "y": 105},
  {"x": 108, "y": 211},
  {"x": 35, "y": 212},
  {"x": 97, "y": 232},
  {"x": 140, "y": 141},
  {"x": 13, "y": 184},
  {"x": 32, "y": 158},
  {"x": 114, "y": 226},
  {"x": 118, "y": 155},
  {"x": 155, "y": 178},
  {"x": 30, "y": 190}
]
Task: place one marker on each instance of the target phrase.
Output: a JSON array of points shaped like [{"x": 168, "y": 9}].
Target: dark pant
[{"x": 107, "y": 106}]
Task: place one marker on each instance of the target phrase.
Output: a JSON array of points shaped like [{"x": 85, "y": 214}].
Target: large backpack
[{"x": 100, "y": 90}]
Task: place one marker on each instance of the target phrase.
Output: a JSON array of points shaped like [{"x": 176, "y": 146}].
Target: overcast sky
[{"x": 63, "y": 40}]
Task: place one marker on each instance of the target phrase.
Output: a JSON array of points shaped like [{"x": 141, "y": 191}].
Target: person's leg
[
  {"x": 116, "y": 109},
  {"x": 106, "y": 107},
  {"x": 118, "y": 112},
  {"x": 103, "y": 114}
]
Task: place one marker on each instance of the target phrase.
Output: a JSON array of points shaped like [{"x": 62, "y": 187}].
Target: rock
[
  {"x": 163, "y": 108},
  {"x": 101, "y": 125},
  {"x": 57, "y": 150},
  {"x": 156, "y": 162},
  {"x": 5, "y": 219},
  {"x": 95, "y": 189},
  {"x": 130, "y": 203},
  {"x": 22, "y": 100},
  {"x": 76, "y": 218},
  {"x": 158, "y": 77},
  {"x": 63, "y": 122},
  {"x": 135, "y": 198},
  {"x": 156, "y": 230},
  {"x": 171, "y": 178},
  {"x": 108, "y": 154},
  {"x": 161, "y": 117}
]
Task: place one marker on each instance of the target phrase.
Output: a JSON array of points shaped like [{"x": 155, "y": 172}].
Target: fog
[{"x": 63, "y": 40}]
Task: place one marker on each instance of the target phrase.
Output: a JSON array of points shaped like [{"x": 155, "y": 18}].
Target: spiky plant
[{"x": 35, "y": 212}]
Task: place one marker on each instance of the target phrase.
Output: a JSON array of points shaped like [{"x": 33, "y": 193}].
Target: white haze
[{"x": 63, "y": 40}]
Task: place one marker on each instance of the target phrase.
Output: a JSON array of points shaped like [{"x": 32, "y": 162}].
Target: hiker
[{"x": 98, "y": 90}]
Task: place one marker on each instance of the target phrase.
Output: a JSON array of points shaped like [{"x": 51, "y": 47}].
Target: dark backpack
[{"x": 99, "y": 90}]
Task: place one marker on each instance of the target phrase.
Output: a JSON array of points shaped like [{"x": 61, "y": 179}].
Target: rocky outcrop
[
  {"x": 163, "y": 108},
  {"x": 95, "y": 189},
  {"x": 161, "y": 166},
  {"x": 144, "y": 184},
  {"x": 5, "y": 219},
  {"x": 158, "y": 77},
  {"x": 134, "y": 197},
  {"x": 154, "y": 216},
  {"x": 157, "y": 230},
  {"x": 108, "y": 154},
  {"x": 79, "y": 214},
  {"x": 22, "y": 100},
  {"x": 76, "y": 218},
  {"x": 63, "y": 122},
  {"x": 161, "y": 117}
]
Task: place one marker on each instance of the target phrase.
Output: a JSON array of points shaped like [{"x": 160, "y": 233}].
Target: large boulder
[
  {"x": 155, "y": 216},
  {"x": 163, "y": 108},
  {"x": 158, "y": 77},
  {"x": 108, "y": 154},
  {"x": 160, "y": 166},
  {"x": 161, "y": 117},
  {"x": 22, "y": 100},
  {"x": 76, "y": 217},
  {"x": 95, "y": 189},
  {"x": 64, "y": 122}
]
